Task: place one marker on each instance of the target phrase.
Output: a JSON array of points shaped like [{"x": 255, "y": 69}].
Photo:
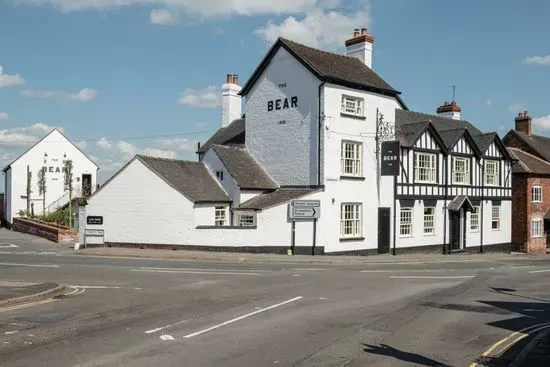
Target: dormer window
[
  {"x": 425, "y": 170},
  {"x": 353, "y": 106},
  {"x": 461, "y": 171}
]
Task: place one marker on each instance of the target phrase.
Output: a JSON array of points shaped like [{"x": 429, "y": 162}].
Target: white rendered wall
[
  {"x": 502, "y": 235},
  {"x": 55, "y": 145},
  {"x": 288, "y": 151},
  {"x": 418, "y": 238},
  {"x": 231, "y": 104},
  {"x": 214, "y": 164}
]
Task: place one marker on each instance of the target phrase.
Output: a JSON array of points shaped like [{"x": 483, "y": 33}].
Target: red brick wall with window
[{"x": 536, "y": 211}]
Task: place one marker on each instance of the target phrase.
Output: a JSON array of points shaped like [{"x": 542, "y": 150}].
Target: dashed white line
[
  {"x": 11, "y": 332},
  {"x": 30, "y": 265},
  {"x": 93, "y": 287},
  {"x": 166, "y": 337},
  {"x": 175, "y": 271},
  {"x": 242, "y": 317},
  {"x": 426, "y": 277},
  {"x": 539, "y": 271},
  {"x": 165, "y": 327}
]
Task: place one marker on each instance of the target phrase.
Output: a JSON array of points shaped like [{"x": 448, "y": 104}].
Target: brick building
[{"x": 530, "y": 186}]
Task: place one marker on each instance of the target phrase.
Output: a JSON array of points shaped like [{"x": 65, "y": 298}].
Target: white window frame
[
  {"x": 537, "y": 228},
  {"x": 474, "y": 219},
  {"x": 220, "y": 215},
  {"x": 492, "y": 178},
  {"x": 351, "y": 158},
  {"x": 495, "y": 219},
  {"x": 406, "y": 227},
  {"x": 246, "y": 219},
  {"x": 462, "y": 176},
  {"x": 429, "y": 172},
  {"x": 351, "y": 220},
  {"x": 536, "y": 194},
  {"x": 429, "y": 221},
  {"x": 353, "y": 106}
]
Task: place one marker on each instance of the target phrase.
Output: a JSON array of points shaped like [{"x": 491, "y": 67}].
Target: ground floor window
[
  {"x": 246, "y": 219},
  {"x": 536, "y": 228},
  {"x": 405, "y": 224},
  {"x": 474, "y": 219},
  {"x": 429, "y": 220},
  {"x": 221, "y": 215},
  {"x": 351, "y": 220},
  {"x": 495, "y": 221}
]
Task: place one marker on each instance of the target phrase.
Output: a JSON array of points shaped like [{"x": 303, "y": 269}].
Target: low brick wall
[{"x": 58, "y": 234}]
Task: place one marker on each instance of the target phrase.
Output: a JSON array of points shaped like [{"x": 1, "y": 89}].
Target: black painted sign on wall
[
  {"x": 390, "y": 158},
  {"x": 94, "y": 220}
]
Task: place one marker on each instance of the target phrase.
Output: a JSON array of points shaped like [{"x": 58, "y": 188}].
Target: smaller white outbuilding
[{"x": 50, "y": 152}]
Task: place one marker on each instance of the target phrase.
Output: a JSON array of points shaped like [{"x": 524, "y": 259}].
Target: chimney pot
[
  {"x": 229, "y": 78},
  {"x": 363, "y": 31},
  {"x": 236, "y": 79}
]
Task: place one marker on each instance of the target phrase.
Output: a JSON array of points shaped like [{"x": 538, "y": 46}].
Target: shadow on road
[{"x": 417, "y": 359}]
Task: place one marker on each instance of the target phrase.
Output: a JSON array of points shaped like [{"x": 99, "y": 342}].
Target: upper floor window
[
  {"x": 491, "y": 173},
  {"x": 353, "y": 106},
  {"x": 352, "y": 159},
  {"x": 461, "y": 170},
  {"x": 425, "y": 168},
  {"x": 220, "y": 215},
  {"x": 536, "y": 194}
]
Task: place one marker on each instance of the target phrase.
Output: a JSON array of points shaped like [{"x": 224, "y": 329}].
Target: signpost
[
  {"x": 305, "y": 209},
  {"x": 390, "y": 158}
]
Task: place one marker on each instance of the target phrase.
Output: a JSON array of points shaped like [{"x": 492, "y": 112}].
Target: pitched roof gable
[
  {"x": 5, "y": 169},
  {"x": 452, "y": 137},
  {"x": 405, "y": 117},
  {"x": 243, "y": 168},
  {"x": 538, "y": 143},
  {"x": 528, "y": 163},
  {"x": 409, "y": 134},
  {"x": 329, "y": 67},
  {"x": 233, "y": 133}
]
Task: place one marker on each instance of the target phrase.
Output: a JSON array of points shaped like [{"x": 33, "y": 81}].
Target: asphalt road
[{"x": 143, "y": 312}]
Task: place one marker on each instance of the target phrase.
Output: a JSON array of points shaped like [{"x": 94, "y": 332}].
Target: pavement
[{"x": 123, "y": 310}]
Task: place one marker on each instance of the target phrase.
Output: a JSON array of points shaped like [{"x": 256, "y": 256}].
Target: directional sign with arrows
[{"x": 305, "y": 209}]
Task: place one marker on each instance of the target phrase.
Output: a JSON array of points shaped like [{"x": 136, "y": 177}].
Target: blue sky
[{"x": 113, "y": 74}]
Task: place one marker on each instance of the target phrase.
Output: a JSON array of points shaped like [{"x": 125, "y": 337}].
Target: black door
[
  {"x": 384, "y": 230},
  {"x": 86, "y": 185},
  {"x": 455, "y": 231}
]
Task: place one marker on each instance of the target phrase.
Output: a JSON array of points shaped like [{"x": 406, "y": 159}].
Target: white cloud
[
  {"x": 318, "y": 28},
  {"x": 7, "y": 80},
  {"x": 208, "y": 97},
  {"x": 82, "y": 144},
  {"x": 542, "y": 122},
  {"x": 4, "y": 116},
  {"x": 84, "y": 95},
  {"x": 163, "y": 17},
  {"x": 201, "y": 124},
  {"x": 538, "y": 60},
  {"x": 489, "y": 103},
  {"x": 27, "y": 135},
  {"x": 202, "y": 8},
  {"x": 104, "y": 144},
  {"x": 179, "y": 144},
  {"x": 516, "y": 108},
  {"x": 159, "y": 153}
]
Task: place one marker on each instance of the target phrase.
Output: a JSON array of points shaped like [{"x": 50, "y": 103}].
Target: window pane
[{"x": 350, "y": 220}]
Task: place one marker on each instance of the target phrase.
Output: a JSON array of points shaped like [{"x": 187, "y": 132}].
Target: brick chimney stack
[
  {"x": 523, "y": 123},
  {"x": 360, "y": 46},
  {"x": 449, "y": 110},
  {"x": 231, "y": 100}
]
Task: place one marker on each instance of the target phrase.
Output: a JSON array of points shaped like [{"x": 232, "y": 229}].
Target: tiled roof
[
  {"x": 271, "y": 199},
  {"x": 483, "y": 141},
  {"x": 404, "y": 117},
  {"x": 232, "y": 134},
  {"x": 243, "y": 168},
  {"x": 192, "y": 179},
  {"x": 458, "y": 202},
  {"x": 528, "y": 163},
  {"x": 540, "y": 144}
]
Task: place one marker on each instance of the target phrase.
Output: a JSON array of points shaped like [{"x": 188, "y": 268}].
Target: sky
[{"x": 121, "y": 77}]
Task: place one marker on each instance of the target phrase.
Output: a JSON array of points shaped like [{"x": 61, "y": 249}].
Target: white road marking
[
  {"x": 192, "y": 272},
  {"x": 242, "y": 317},
  {"x": 422, "y": 277},
  {"x": 408, "y": 271},
  {"x": 93, "y": 287},
  {"x": 9, "y": 245},
  {"x": 30, "y": 265},
  {"x": 207, "y": 269},
  {"x": 309, "y": 269},
  {"x": 26, "y": 305},
  {"x": 11, "y": 332},
  {"x": 165, "y": 327},
  {"x": 539, "y": 271},
  {"x": 296, "y": 275},
  {"x": 166, "y": 337}
]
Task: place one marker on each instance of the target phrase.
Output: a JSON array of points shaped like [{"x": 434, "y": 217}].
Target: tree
[
  {"x": 29, "y": 190},
  {"x": 42, "y": 188},
  {"x": 68, "y": 185}
]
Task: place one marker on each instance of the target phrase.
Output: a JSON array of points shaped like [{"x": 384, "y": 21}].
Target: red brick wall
[
  {"x": 519, "y": 212},
  {"x": 64, "y": 236},
  {"x": 537, "y": 210}
]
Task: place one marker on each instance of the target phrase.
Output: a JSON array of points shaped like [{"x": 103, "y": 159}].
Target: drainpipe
[
  {"x": 482, "y": 206},
  {"x": 319, "y": 116},
  {"x": 445, "y": 206}
]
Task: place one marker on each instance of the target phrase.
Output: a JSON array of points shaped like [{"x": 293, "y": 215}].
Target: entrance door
[
  {"x": 86, "y": 185},
  {"x": 384, "y": 230},
  {"x": 455, "y": 231}
]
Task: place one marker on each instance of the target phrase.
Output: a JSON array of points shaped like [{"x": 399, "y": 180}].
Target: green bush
[{"x": 60, "y": 216}]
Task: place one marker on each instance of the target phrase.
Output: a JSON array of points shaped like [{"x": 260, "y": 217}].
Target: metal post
[
  {"x": 293, "y": 236},
  {"x": 314, "y": 236}
]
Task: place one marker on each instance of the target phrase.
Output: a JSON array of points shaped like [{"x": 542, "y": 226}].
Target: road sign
[{"x": 305, "y": 209}]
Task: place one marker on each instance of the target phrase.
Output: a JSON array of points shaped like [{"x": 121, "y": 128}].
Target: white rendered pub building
[{"x": 301, "y": 170}]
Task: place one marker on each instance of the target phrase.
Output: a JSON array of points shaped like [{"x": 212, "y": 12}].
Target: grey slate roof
[
  {"x": 244, "y": 168},
  {"x": 274, "y": 198},
  {"x": 329, "y": 67},
  {"x": 539, "y": 144},
  {"x": 458, "y": 202},
  {"x": 483, "y": 141},
  {"x": 528, "y": 163},
  {"x": 234, "y": 133},
  {"x": 191, "y": 179},
  {"x": 405, "y": 117},
  {"x": 408, "y": 133}
]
